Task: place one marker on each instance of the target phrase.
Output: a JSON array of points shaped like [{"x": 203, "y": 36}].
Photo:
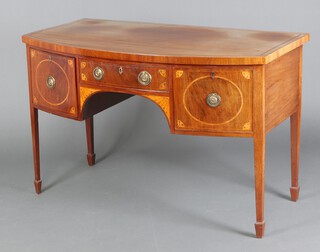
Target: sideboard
[{"x": 207, "y": 81}]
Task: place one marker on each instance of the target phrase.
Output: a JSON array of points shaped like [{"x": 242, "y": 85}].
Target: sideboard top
[{"x": 163, "y": 43}]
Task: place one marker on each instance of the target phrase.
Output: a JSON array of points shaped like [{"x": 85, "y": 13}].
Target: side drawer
[
  {"x": 216, "y": 99},
  {"x": 53, "y": 83},
  {"x": 124, "y": 75}
]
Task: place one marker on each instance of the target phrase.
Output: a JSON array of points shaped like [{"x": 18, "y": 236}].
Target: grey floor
[{"x": 152, "y": 191}]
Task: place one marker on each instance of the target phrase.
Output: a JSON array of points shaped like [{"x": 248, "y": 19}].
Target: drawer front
[
  {"x": 215, "y": 99},
  {"x": 124, "y": 75},
  {"x": 53, "y": 82}
]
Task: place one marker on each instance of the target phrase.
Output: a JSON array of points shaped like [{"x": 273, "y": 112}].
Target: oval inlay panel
[
  {"x": 195, "y": 100},
  {"x": 59, "y": 94}
]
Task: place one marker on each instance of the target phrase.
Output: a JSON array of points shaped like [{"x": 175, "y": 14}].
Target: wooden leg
[
  {"x": 91, "y": 156},
  {"x": 259, "y": 139},
  {"x": 295, "y": 147},
  {"x": 259, "y": 164},
  {"x": 36, "y": 151}
]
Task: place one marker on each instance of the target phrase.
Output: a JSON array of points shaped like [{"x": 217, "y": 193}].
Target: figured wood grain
[
  {"x": 163, "y": 102},
  {"x": 163, "y": 43},
  {"x": 282, "y": 88},
  {"x": 62, "y": 97},
  {"x": 127, "y": 78},
  {"x": 85, "y": 93},
  {"x": 192, "y": 88}
]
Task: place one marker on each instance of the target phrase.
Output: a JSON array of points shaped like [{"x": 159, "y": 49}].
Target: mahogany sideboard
[{"x": 207, "y": 81}]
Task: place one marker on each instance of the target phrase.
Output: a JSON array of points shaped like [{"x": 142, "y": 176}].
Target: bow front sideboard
[{"x": 207, "y": 81}]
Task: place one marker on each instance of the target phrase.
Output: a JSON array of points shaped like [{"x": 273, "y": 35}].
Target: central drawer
[{"x": 124, "y": 75}]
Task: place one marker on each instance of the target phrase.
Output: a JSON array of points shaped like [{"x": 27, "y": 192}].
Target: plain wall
[{"x": 138, "y": 123}]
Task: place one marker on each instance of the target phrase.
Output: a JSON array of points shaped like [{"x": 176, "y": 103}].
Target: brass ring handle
[
  {"x": 213, "y": 100},
  {"x": 144, "y": 78},
  {"x": 98, "y": 73},
  {"x": 51, "y": 82}
]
